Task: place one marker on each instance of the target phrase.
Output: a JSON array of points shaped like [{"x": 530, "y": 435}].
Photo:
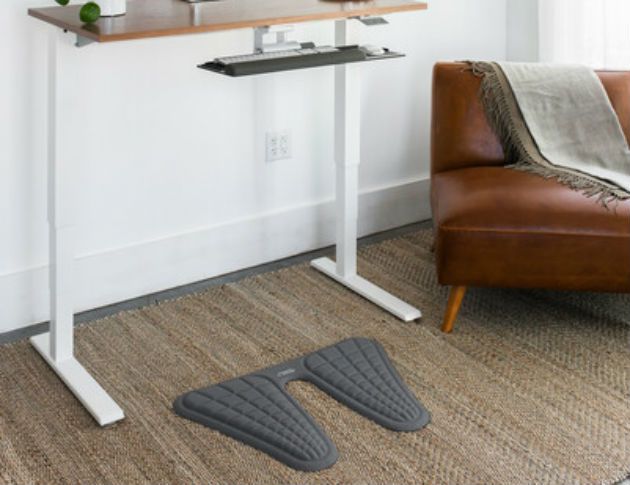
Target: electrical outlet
[{"x": 278, "y": 145}]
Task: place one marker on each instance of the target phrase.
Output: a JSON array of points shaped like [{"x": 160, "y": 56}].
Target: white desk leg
[
  {"x": 347, "y": 159},
  {"x": 56, "y": 346}
]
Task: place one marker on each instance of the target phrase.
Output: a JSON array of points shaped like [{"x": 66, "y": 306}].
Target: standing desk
[{"x": 157, "y": 18}]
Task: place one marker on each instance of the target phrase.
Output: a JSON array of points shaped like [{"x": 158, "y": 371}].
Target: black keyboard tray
[{"x": 349, "y": 55}]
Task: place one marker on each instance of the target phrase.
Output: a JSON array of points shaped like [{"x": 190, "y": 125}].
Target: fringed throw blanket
[{"x": 557, "y": 121}]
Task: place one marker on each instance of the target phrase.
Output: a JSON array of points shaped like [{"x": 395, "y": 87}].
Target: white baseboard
[{"x": 148, "y": 267}]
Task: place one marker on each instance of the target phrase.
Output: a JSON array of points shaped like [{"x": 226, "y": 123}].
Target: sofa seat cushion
[{"x": 500, "y": 227}]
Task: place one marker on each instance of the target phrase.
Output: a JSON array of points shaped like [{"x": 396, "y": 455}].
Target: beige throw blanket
[{"x": 557, "y": 121}]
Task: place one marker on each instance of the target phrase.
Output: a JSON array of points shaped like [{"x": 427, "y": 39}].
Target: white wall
[
  {"x": 172, "y": 185},
  {"x": 522, "y": 30}
]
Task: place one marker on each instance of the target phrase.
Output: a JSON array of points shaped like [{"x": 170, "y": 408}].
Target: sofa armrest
[{"x": 460, "y": 134}]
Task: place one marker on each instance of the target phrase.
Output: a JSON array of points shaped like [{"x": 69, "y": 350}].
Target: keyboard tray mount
[{"x": 265, "y": 66}]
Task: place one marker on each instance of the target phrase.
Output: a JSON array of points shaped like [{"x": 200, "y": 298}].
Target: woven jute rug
[{"x": 532, "y": 387}]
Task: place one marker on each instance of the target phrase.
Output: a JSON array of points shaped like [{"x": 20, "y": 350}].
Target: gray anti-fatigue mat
[{"x": 257, "y": 410}]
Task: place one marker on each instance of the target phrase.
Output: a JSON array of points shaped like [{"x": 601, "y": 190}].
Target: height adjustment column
[
  {"x": 347, "y": 160},
  {"x": 57, "y": 346}
]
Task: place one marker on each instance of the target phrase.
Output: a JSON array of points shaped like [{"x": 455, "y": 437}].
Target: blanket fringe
[{"x": 605, "y": 194}]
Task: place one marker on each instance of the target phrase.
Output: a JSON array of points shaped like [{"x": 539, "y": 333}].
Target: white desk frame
[{"x": 57, "y": 345}]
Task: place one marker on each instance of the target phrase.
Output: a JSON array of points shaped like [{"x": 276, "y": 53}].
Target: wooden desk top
[{"x": 156, "y": 18}]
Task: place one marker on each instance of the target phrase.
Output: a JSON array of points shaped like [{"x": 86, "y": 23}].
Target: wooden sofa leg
[{"x": 455, "y": 298}]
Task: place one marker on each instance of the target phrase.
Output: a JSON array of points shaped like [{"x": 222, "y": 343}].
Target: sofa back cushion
[{"x": 460, "y": 134}]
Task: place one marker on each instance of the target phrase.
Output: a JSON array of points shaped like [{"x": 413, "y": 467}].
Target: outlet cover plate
[{"x": 278, "y": 145}]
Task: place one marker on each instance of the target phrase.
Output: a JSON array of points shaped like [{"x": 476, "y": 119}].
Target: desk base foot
[
  {"x": 369, "y": 291},
  {"x": 93, "y": 397}
]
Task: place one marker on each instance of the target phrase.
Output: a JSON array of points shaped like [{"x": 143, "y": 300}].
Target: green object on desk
[{"x": 89, "y": 13}]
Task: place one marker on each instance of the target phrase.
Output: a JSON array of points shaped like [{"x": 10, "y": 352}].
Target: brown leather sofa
[{"x": 497, "y": 227}]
